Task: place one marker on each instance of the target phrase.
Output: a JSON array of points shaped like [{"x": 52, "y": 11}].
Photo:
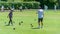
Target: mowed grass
[{"x": 51, "y": 22}]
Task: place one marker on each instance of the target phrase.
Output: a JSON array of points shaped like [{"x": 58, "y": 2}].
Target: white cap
[{"x": 41, "y": 10}]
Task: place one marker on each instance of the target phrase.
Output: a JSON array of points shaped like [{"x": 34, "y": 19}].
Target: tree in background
[
  {"x": 49, "y": 3},
  {"x": 28, "y": 0},
  {"x": 58, "y": 2},
  {"x": 3, "y": 0},
  {"x": 41, "y": 3}
]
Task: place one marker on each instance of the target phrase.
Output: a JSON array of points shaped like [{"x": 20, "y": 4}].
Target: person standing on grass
[
  {"x": 10, "y": 15},
  {"x": 40, "y": 18},
  {"x": 20, "y": 8},
  {"x": 55, "y": 7},
  {"x": 2, "y": 8}
]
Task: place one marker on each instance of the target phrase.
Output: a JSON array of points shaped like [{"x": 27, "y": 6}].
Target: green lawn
[{"x": 51, "y": 22}]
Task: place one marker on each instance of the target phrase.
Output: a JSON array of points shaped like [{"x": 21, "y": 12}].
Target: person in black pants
[{"x": 10, "y": 15}]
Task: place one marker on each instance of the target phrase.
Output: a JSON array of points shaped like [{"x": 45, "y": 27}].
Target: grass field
[{"x": 51, "y": 22}]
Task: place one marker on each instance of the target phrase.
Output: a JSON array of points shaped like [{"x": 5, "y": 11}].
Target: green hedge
[{"x": 29, "y": 5}]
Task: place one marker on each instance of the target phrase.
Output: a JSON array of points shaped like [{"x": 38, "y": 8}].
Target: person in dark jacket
[{"x": 10, "y": 15}]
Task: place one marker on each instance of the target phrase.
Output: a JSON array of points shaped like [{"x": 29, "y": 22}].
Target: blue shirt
[{"x": 40, "y": 13}]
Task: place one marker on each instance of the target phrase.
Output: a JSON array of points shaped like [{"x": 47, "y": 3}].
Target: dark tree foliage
[
  {"x": 49, "y": 3},
  {"x": 3, "y": 0},
  {"x": 41, "y": 3}
]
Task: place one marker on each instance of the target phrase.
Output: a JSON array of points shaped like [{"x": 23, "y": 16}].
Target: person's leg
[
  {"x": 11, "y": 21},
  {"x": 41, "y": 22},
  {"x": 38, "y": 22}
]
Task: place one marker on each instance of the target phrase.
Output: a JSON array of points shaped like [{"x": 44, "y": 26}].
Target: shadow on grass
[{"x": 35, "y": 28}]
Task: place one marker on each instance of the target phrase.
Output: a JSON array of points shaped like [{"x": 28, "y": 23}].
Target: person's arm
[{"x": 8, "y": 15}]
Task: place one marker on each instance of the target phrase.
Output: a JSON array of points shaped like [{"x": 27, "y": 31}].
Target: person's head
[{"x": 40, "y": 9}]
